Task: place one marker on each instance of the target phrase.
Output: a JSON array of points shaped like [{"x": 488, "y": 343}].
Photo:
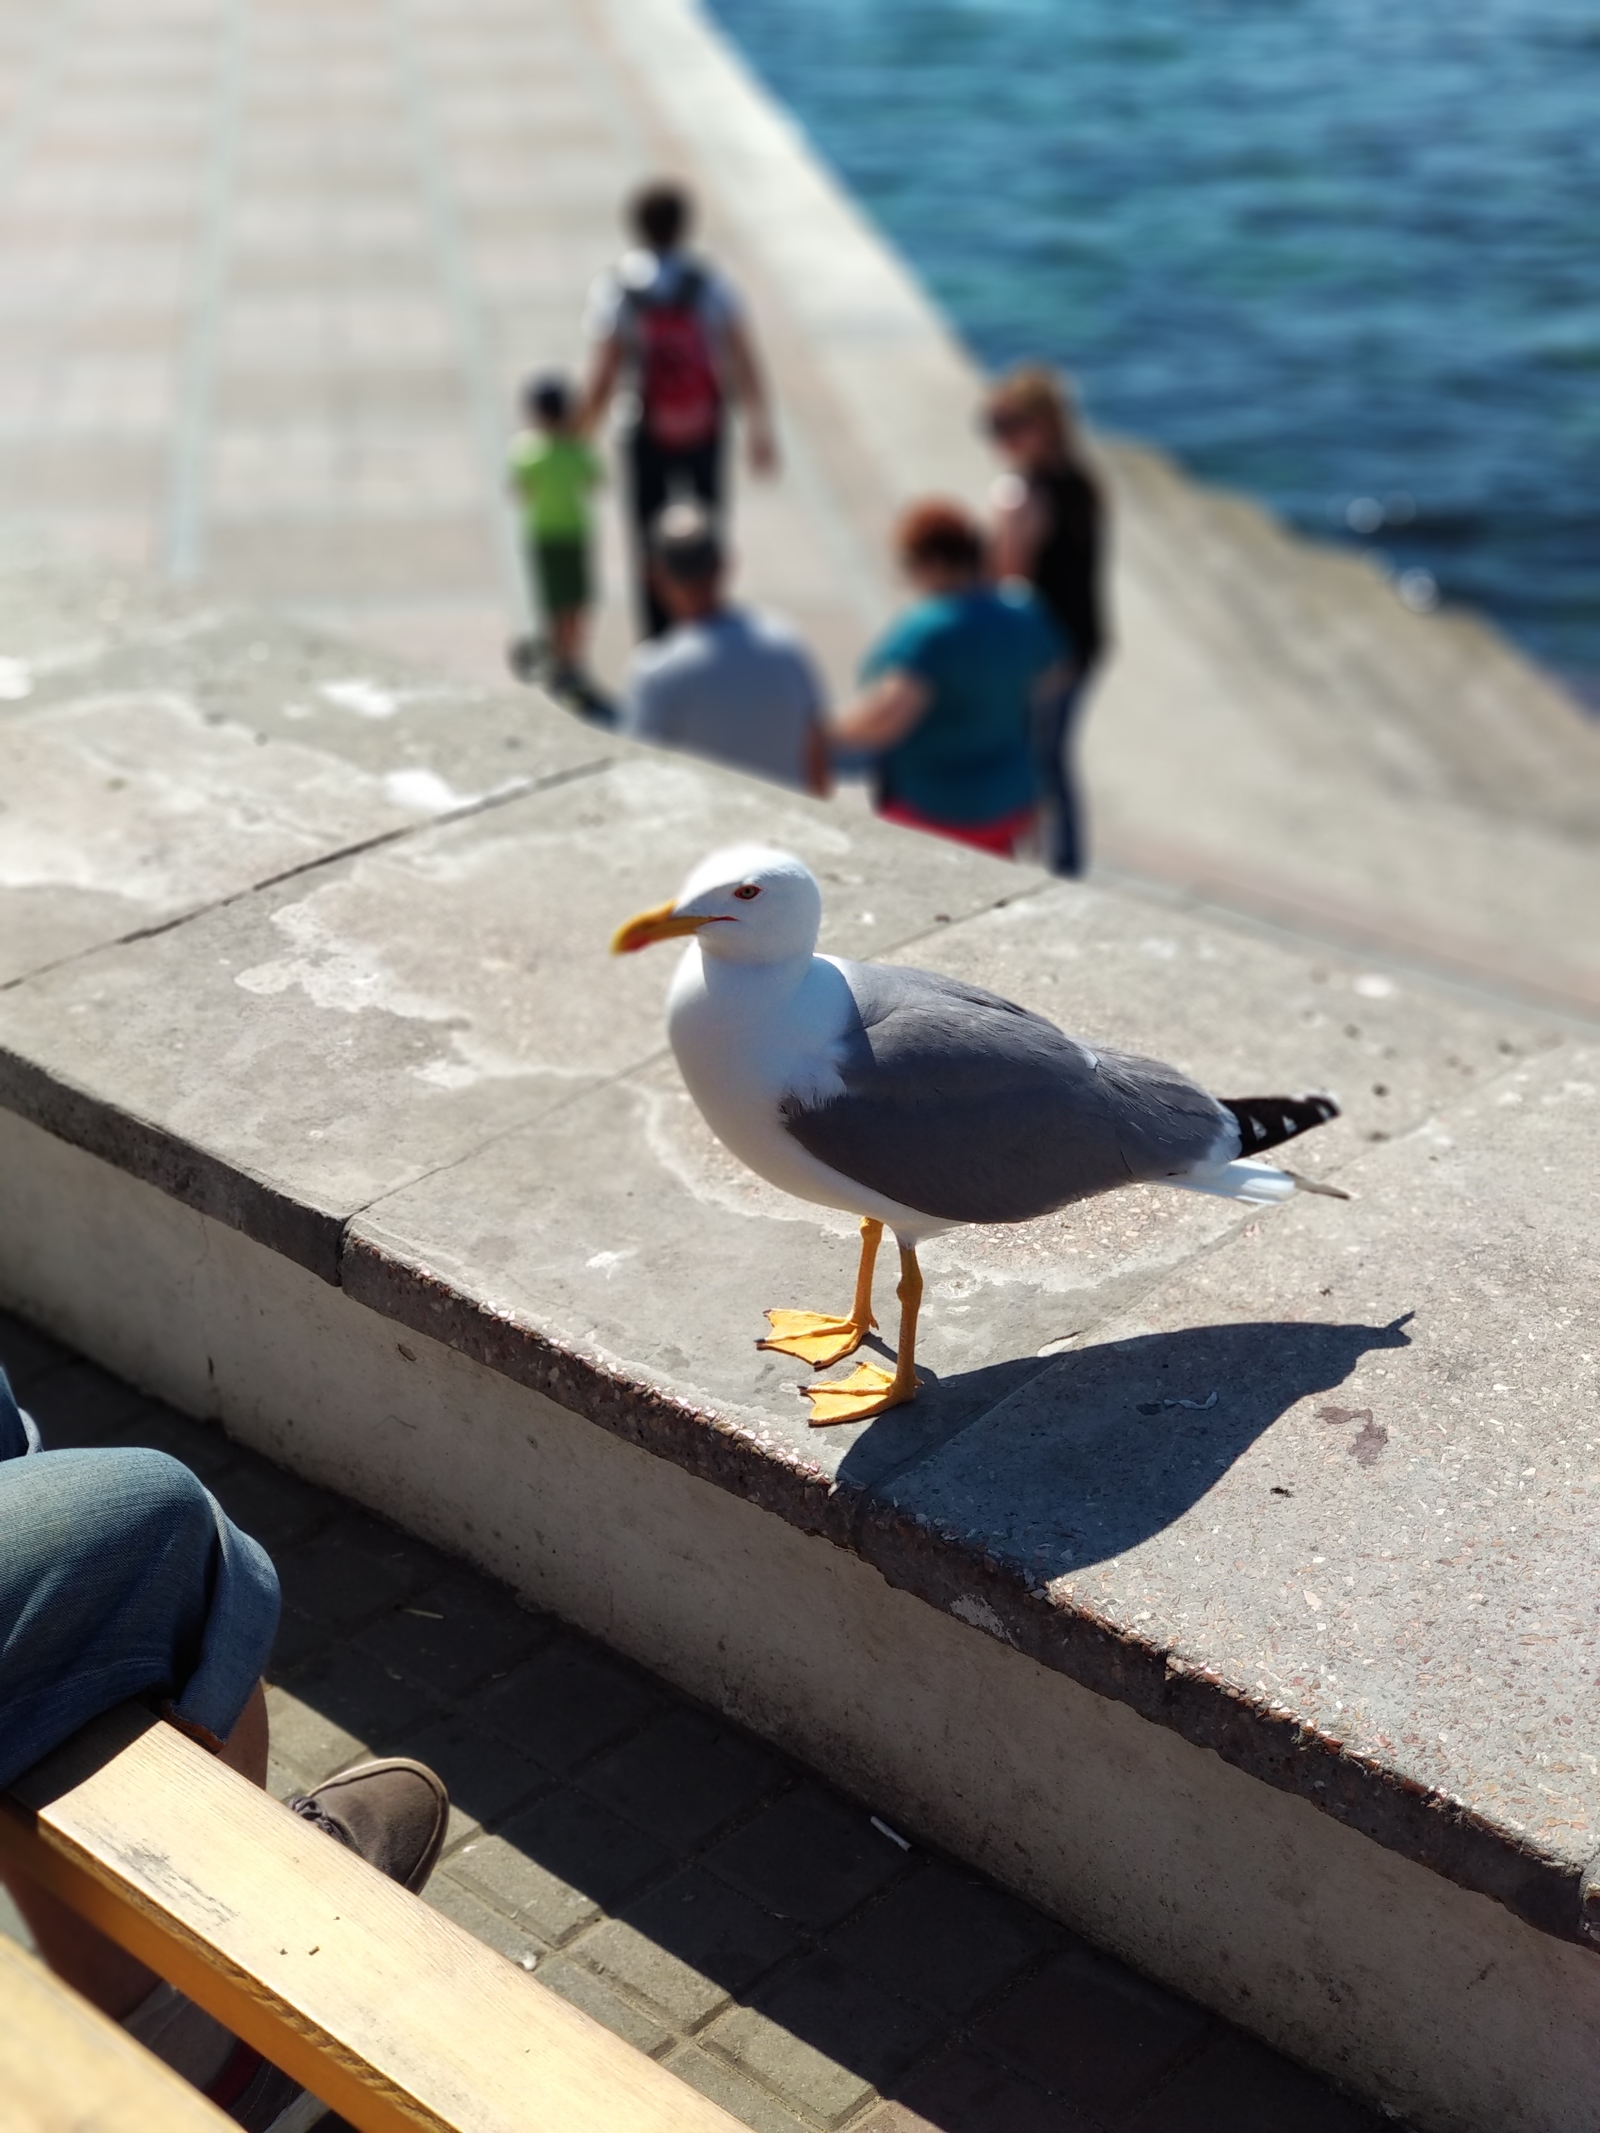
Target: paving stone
[
  {"x": 1236, "y": 2086},
  {"x": 560, "y": 1862},
  {"x": 963, "y": 2093},
  {"x": 811, "y": 1856},
  {"x": 300, "y": 1638},
  {"x": 486, "y": 1776},
  {"x": 79, "y": 1406},
  {"x": 624, "y": 2017},
  {"x": 353, "y": 1568},
  {"x": 200, "y": 1445},
  {"x": 371, "y": 1702},
  {"x": 684, "y": 1776},
  {"x": 944, "y": 1938},
  {"x": 824, "y": 2037},
  {"x": 688, "y": 1945},
  {"x": 12, "y": 1923},
  {"x": 509, "y": 1936},
  {"x": 285, "y": 1776},
  {"x": 565, "y": 1703},
  {"x": 307, "y": 1739},
  {"x": 1093, "y": 2032},
  {"x": 27, "y": 1355},
  {"x": 454, "y": 1634},
  {"x": 273, "y": 1508},
  {"x": 753, "y": 2107}
]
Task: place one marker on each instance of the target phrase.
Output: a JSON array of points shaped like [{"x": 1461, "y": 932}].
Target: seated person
[
  {"x": 954, "y": 690},
  {"x": 121, "y": 1577},
  {"x": 724, "y": 682}
]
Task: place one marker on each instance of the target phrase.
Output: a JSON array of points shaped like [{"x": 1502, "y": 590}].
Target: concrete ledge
[
  {"x": 1361, "y": 1961},
  {"x": 1228, "y": 1589}
]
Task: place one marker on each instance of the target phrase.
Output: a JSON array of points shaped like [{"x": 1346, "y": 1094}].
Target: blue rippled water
[{"x": 1344, "y": 254}]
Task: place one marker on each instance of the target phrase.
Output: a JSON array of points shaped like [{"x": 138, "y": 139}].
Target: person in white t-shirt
[
  {"x": 669, "y": 329},
  {"x": 725, "y": 682}
]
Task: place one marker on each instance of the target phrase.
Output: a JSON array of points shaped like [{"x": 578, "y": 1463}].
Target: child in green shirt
[{"x": 553, "y": 474}]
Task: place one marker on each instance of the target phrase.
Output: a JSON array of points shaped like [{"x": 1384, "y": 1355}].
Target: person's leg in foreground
[{"x": 121, "y": 1577}]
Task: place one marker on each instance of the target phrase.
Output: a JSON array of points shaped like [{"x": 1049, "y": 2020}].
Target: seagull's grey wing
[{"x": 966, "y": 1107}]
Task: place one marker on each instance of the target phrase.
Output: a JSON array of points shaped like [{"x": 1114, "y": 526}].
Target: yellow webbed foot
[
  {"x": 866, "y": 1391},
  {"x": 814, "y": 1337}
]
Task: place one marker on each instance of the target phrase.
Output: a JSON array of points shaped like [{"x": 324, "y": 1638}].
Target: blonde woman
[{"x": 1049, "y": 519}]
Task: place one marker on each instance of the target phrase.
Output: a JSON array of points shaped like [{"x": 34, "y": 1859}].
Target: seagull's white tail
[{"x": 1260, "y": 1184}]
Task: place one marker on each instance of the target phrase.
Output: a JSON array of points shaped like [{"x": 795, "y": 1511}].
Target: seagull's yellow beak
[{"x": 664, "y": 923}]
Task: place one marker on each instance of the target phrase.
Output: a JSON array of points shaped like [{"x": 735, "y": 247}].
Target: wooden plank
[
  {"x": 64, "y": 2068},
  {"x": 390, "y": 2013}
]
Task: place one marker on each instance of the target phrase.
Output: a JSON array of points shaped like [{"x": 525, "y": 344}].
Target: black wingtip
[{"x": 1268, "y": 1121}]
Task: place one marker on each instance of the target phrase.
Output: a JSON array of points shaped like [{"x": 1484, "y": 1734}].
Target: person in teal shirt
[
  {"x": 553, "y": 475},
  {"x": 953, "y": 692}
]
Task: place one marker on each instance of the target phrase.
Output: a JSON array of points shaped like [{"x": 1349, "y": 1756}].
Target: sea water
[{"x": 1344, "y": 254}]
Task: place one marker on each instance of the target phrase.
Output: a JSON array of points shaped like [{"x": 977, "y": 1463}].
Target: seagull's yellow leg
[
  {"x": 818, "y": 1339},
  {"x": 869, "y": 1390}
]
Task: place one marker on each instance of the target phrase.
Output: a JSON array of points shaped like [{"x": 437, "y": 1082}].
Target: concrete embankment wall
[
  {"x": 1277, "y": 735},
  {"x": 1227, "y": 1588}
]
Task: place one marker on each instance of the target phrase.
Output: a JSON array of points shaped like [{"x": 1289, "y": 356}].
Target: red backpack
[{"x": 680, "y": 394}]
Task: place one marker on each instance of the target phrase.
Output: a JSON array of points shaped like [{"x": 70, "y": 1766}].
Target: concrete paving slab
[
  {"x": 364, "y": 706},
  {"x": 1340, "y": 1484},
  {"x": 138, "y": 809},
  {"x": 1243, "y": 1014},
  {"x": 327, "y": 1040},
  {"x": 157, "y": 765},
  {"x": 631, "y": 1254}
]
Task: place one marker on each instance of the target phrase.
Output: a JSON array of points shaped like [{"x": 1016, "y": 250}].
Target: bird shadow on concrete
[{"x": 1090, "y": 1452}]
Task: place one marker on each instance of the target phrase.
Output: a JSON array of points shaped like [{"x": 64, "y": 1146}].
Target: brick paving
[{"x": 720, "y": 1907}]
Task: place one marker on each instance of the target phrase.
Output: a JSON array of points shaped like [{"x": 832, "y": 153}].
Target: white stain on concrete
[
  {"x": 138, "y": 794},
  {"x": 16, "y": 680},
  {"x": 336, "y": 960},
  {"x": 969, "y": 1607},
  {"x": 425, "y": 792},
  {"x": 366, "y": 698},
  {"x": 343, "y": 975}
]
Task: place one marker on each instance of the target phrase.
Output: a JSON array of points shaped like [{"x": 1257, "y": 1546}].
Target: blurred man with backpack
[{"x": 670, "y": 330}]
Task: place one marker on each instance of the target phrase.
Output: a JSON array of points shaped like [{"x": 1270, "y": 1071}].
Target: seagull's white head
[{"x": 748, "y": 904}]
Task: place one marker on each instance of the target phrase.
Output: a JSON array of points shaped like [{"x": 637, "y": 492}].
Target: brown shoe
[{"x": 393, "y": 1813}]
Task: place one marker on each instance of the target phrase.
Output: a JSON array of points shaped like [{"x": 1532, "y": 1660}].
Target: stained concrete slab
[
  {"x": 1350, "y": 1471},
  {"x": 53, "y": 618},
  {"x": 360, "y": 703},
  {"x": 1244, "y": 1015},
  {"x": 617, "y": 1229},
  {"x": 179, "y": 764},
  {"x": 325, "y": 1039}
]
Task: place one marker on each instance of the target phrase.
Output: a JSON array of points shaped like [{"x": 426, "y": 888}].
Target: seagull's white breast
[{"x": 748, "y": 1035}]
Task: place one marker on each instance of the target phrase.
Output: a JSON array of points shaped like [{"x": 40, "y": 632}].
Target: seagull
[{"x": 917, "y": 1102}]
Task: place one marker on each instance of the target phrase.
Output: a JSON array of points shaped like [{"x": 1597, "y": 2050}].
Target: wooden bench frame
[
  {"x": 390, "y": 2013},
  {"x": 63, "y": 2066}
]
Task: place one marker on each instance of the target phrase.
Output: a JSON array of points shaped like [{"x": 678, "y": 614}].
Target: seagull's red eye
[{"x": 745, "y": 893}]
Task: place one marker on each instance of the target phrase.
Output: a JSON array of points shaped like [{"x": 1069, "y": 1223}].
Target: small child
[{"x": 553, "y": 474}]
